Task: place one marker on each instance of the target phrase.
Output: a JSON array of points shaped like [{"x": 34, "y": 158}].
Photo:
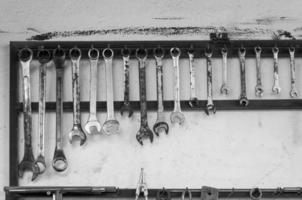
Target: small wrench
[
  {"x": 44, "y": 57},
  {"x": 276, "y": 87},
  {"x": 111, "y": 125},
  {"x": 186, "y": 191},
  {"x": 93, "y": 123},
  {"x": 141, "y": 186},
  {"x": 28, "y": 161},
  {"x": 126, "y": 107},
  {"x": 160, "y": 124},
  {"x": 225, "y": 89},
  {"x": 258, "y": 88},
  {"x": 193, "y": 102},
  {"x": 76, "y": 131},
  {"x": 59, "y": 162},
  {"x": 144, "y": 130},
  {"x": 243, "y": 97},
  {"x": 176, "y": 116},
  {"x": 163, "y": 195},
  {"x": 210, "y": 103},
  {"x": 293, "y": 91}
]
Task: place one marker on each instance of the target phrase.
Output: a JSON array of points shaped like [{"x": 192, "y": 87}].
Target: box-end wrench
[
  {"x": 225, "y": 89},
  {"x": 176, "y": 116},
  {"x": 76, "y": 131},
  {"x": 93, "y": 124},
  {"x": 243, "y": 97},
  {"x": 210, "y": 104},
  {"x": 160, "y": 125},
  {"x": 111, "y": 125},
  {"x": 193, "y": 102},
  {"x": 44, "y": 56},
  {"x": 59, "y": 162},
  {"x": 126, "y": 107},
  {"x": 144, "y": 131},
  {"x": 28, "y": 161},
  {"x": 293, "y": 91},
  {"x": 276, "y": 87},
  {"x": 259, "y": 87}
]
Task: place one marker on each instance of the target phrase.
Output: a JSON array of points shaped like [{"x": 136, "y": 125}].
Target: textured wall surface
[{"x": 230, "y": 149}]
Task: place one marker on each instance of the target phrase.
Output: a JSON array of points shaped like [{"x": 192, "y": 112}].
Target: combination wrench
[
  {"x": 210, "y": 104},
  {"x": 59, "y": 162},
  {"x": 225, "y": 89},
  {"x": 186, "y": 192},
  {"x": 28, "y": 161},
  {"x": 126, "y": 107},
  {"x": 176, "y": 116},
  {"x": 111, "y": 125},
  {"x": 144, "y": 131},
  {"x": 160, "y": 125},
  {"x": 93, "y": 123},
  {"x": 44, "y": 56},
  {"x": 293, "y": 90},
  {"x": 193, "y": 102},
  {"x": 243, "y": 97},
  {"x": 276, "y": 87},
  {"x": 259, "y": 87},
  {"x": 76, "y": 131}
]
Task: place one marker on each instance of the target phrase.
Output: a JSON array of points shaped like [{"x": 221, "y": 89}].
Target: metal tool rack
[{"x": 16, "y": 192}]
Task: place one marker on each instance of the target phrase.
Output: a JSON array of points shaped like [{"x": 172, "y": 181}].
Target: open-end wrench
[
  {"x": 111, "y": 125},
  {"x": 176, "y": 116},
  {"x": 160, "y": 125},
  {"x": 141, "y": 186},
  {"x": 243, "y": 97},
  {"x": 44, "y": 56},
  {"x": 293, "y": 90},
  {"x": 210, "y": 104},
  {"x": 144, "y": 131},
  {"x": 59, "y": 162},
  {"x": 76, "y": 131},
  {"x": 126, "y": 107},
  {"x": 183, "y": 194},
  {"x": 193, "y": 102},
  {"x": 93, "y": 124},
  {"x": 28, "y": 161},
  {"x": 276, "y": 87},
  {"x": 225, "y": 89},
  {"x": 258, "y": 88}
]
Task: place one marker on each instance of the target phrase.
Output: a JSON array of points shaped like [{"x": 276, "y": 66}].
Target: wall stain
[
  {"x": 33, "y": 30},
  {"x": 282, "y": 34},
  {"x": 271, "y": 20}
]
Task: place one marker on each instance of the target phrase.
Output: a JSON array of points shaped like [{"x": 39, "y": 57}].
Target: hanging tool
[{"x": 141, "y": 186}]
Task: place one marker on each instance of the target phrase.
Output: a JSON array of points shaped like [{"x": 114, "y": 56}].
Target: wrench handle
[
  {"x": 209, "y": 79},
  {"x": 242, "y": 76},
  {"x": 192, "y": 76},
  {"x": 176, "y": 84},
  {"x": 93, "y": 87},
  {"x": 59, "y": 107},
  {"x": 76, "y": 91},
  {"x": 126, "y": 80},
  {"x": 159, "y": 81},
  {"x": 224, "y": 69},
  {"x": 142, "y": 93},
  {"x": 258, "y": 68},
  {"x": 42, "y": 99},
  {"x": 109, "y": 89},
  {"x": 292, "y": 69},
  {"x": 276, "y": 67}
]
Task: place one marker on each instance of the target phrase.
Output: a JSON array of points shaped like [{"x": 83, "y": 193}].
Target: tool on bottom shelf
[
  {"x": 255, "y": 194},
  {"x": 163, "y": 194},
  {"x": 185, "y": 193},
  {"x": 141, "y": 186},
  {"x": 209, "y": 193}
]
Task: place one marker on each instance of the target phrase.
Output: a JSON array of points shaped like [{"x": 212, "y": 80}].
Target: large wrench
[
  {"x": 111, "y": 125},
  {"x": 28, "y": 161},
  {"x": 59, "y": 162},
  {"x": 176, "y": 116},
  {"x": 210, "y": 103},
  {"x": 258, "y": 88},
  {"x": 76, "y": 131},
  {"x": 225, "y": 89},
  {"x": 93, "y": 123},
  {"x": 160, "y": 125},
  {"x": 144, "y": 130},
  {"x": 44, "y": 57},
  {"x": 276, "y": 88},
  {"x": 193, "y": 102},
  {"x": 243, "y": 97},
  {"x": 293, "y": 91}
]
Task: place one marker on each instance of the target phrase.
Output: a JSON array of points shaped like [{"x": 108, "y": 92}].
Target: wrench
[
  {"x": 276, "y": 87},
  {"x": 44, "y": 57},
  {"x": 293, "y": 91},
  {"x": 111, "y": 125},
  {"x": 28, "y": 161},
  {"x": 225, "y": 89},
  {"x": 126, "y": 107},
  {"x": 210, "y": 103},
  {"x": 193, "y": 102},
  {"x": 141, "y": 186},
  {"x": 255, "y": 194},
  {"x": 243, "y": 97},
  {"x": 176, "y": 116},
  {"x": 59, "y": 162},
  {"x": 93, "y": 123},
  {"x": 144, "y": 130},
  {"x": 163, "y": 194},
  {"x": 258, "y": 88},
  {"x": 76, "y": 131},
  {"x": 186, "y": 191},
  {"x": 160, "y": 124}
]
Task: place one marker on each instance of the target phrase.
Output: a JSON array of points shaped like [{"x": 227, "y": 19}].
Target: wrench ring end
[
  {"x": 25, "y": 54},
  {"x": 111, "y": 127},
  {"x": 177, "y": 117},
  {"x": 160, "y": 127},
  {"x": 59, "y": 162},
  {"x": 75, "y": 53}
]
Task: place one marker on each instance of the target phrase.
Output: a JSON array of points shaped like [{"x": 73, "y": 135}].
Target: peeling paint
[
  {"x": 33, "y": 30},
  {"x": 282, "y": 34}
]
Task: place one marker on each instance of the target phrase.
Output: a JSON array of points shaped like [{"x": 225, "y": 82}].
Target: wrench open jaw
[{"x": 276, "y": 87}]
